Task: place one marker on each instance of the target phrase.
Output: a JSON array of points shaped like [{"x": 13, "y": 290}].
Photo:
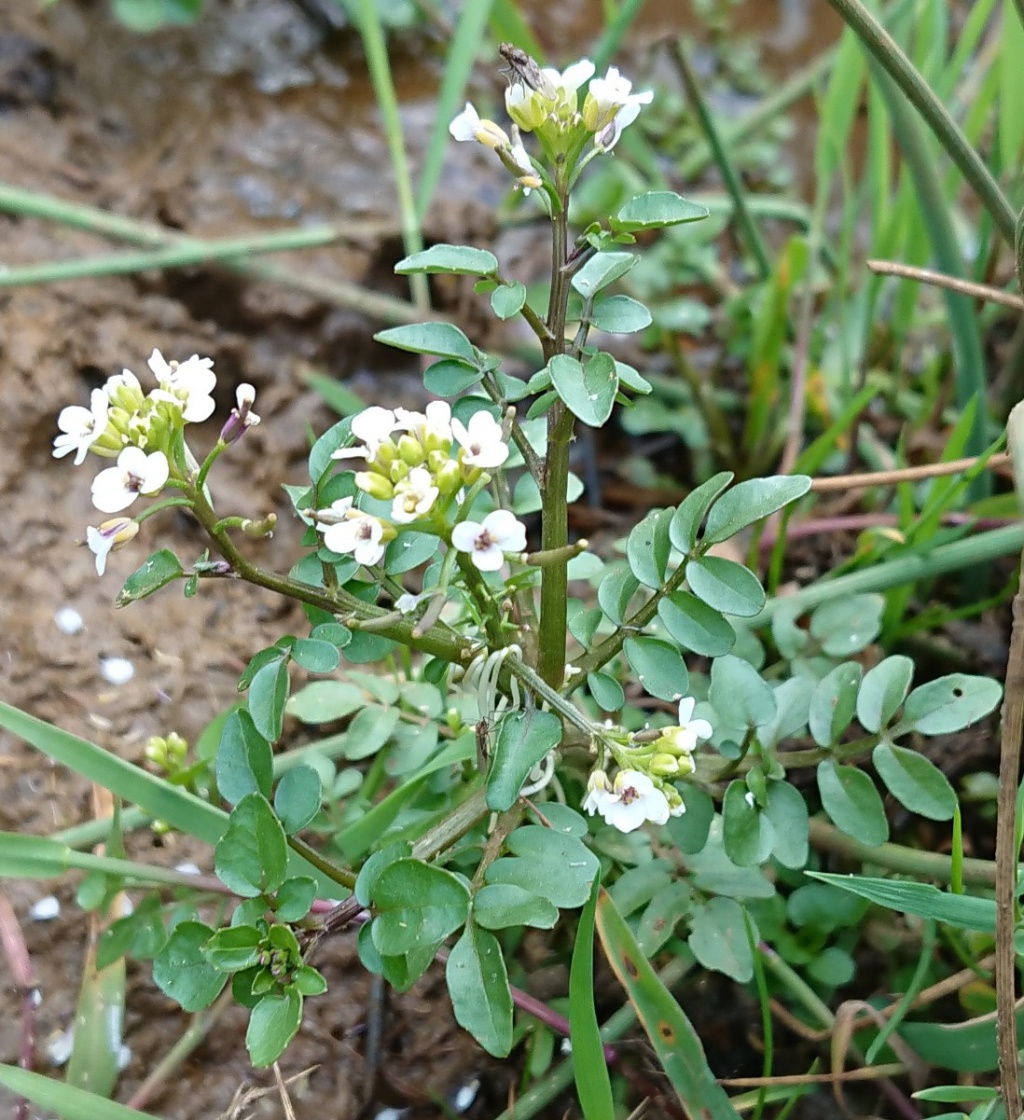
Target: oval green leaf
[
  {"x": 478, "y": 985},
  {"x": 655, "y": 210},
  {"x": 750, "y": 501},
  {"x": 725, "y": 585},
  {"x": 460, "y": 260},
  {"x": 883, "y": 690},
  {"x": 587, "y": 388},
  {"x": 849, "y": 797},
  {"x": 523, "y": 739},
  {"x": 915, "y": 781},
  {"x": 696, "y": 626},
  {"x": 442, "y": 339},
  {"x": 658, "y": 666},
  {"x": 620, "y": 315}
]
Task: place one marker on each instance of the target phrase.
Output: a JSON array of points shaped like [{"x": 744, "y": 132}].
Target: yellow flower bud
[{"x": 664, "y": 765}]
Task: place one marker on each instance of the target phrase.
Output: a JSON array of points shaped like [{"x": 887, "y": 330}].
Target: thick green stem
[{"x": 555, "y": 532}]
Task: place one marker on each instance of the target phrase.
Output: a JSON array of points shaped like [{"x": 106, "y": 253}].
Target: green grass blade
[
  {"x": 42, "y": 857},
  {"x": 1011, "y": 90},
  {"x": 374, "y": 43},
  {"x": 459, "y": 60},
  {"x": 972, "y": 552},
  {"x": 593, "y": 1085},
  {"x": 15, "y": 200},
  {"x": 935, "y": 216},
  {"x": 616, "y": 31},
  {"x": 177, "y": 256},
  {"x": 730, "y": 176},
  {"x": 68, "y": 1102},
  {"x": 672, "y": 1035},
  {"x": 181, "y": 809},
  {"x": 509, "y": 25},
  {"x": 914, "y": 88}
]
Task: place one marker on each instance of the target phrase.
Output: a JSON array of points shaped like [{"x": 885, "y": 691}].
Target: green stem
[
  {"x": 913, "y": 86},
  {"x": 895, "y": 857},
  {"x": 555, "y": 530}
]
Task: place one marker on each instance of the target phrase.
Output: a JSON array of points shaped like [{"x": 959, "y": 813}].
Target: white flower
[
  {"x": 111, "y": 535},
  {"x": 529, "y": 179},
  {"x": 499, "y": 533},
  {"x": 685, "y": 736},
  {"x": 468, "y": 125},
  {"x": 81, "y": 427},
  {"x": 408, "y": 603},
  {"x": 599, "y": 793},
  {"x": 632, "y": 800},
  {"x": 115, "y": 488},
  {"x": 432, "y": 428},
  {"x": 337, "y": 511},
  {"x": 124, "y": 391},
  {"x": 359, "y": 534},
  {"x": 609, "y": 101},
  {"x": 414, "y": 496},
  {"x": 373, "y": 426},
  {"x": 188, "y": 384},
  {"x": 481, "y": 441}
]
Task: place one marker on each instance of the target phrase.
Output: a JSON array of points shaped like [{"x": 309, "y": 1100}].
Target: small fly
[{"x": 524, "y": 70}]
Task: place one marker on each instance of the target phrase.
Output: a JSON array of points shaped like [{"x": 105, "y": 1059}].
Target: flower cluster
[
  {"x": 641, "y": 791},
  {"x": 137, "y": 429},
  {"x": 409, "y": 463},
  {"x": 545, "y": 101}
]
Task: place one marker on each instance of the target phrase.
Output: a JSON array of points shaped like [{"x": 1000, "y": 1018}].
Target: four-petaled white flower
[
  {"x": 481, "y": 441},
  {"x": 359, "y": 534},
  {"x": 610, "y": 107},
  {"x": 115, "y": 488},
  {"x": 414, "y": 496},
  {"x": 630, "y": 801},
  {"x": 188, "y": 384},
  {"x": 468, "y": 125},
  {"x": 685, "y": 736},
  {"x": 81, "y": 427},
  {"x": 487, "y": 542}
]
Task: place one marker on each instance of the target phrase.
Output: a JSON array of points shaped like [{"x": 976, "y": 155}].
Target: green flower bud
[
  {"x": 449, "y": 478},
  {"x": 399, "y": 470},
  {"x": 410, "y": 451},
  {"x": 663, "y": 765},
  {"x": 376, "y": 485},
  {"x": 387, "y": 452}
]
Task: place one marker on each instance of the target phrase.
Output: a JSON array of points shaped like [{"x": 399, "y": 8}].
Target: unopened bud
[
  {"x": 376, "y": 485},
  {"x": 264, "y": 527},
  {"x": 449, "y": 478},
  {"x": 664, "y": 765},
  {"x": 410, "y": 451}
]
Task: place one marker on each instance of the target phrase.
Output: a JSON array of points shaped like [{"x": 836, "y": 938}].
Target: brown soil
[{"x": 245, "y": 124}]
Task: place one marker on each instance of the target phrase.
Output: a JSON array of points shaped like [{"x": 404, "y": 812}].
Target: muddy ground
[{"x": 250, "y": 121}]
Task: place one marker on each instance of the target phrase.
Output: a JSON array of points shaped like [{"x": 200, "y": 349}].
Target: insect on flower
[{"x": 523, "y": 69}]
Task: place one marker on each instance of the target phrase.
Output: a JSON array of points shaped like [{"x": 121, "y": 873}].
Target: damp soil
[{"x": 255, "y": 119}]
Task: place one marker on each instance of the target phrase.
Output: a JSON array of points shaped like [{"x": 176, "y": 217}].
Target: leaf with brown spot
[{"x": 672, "y": 1035}]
